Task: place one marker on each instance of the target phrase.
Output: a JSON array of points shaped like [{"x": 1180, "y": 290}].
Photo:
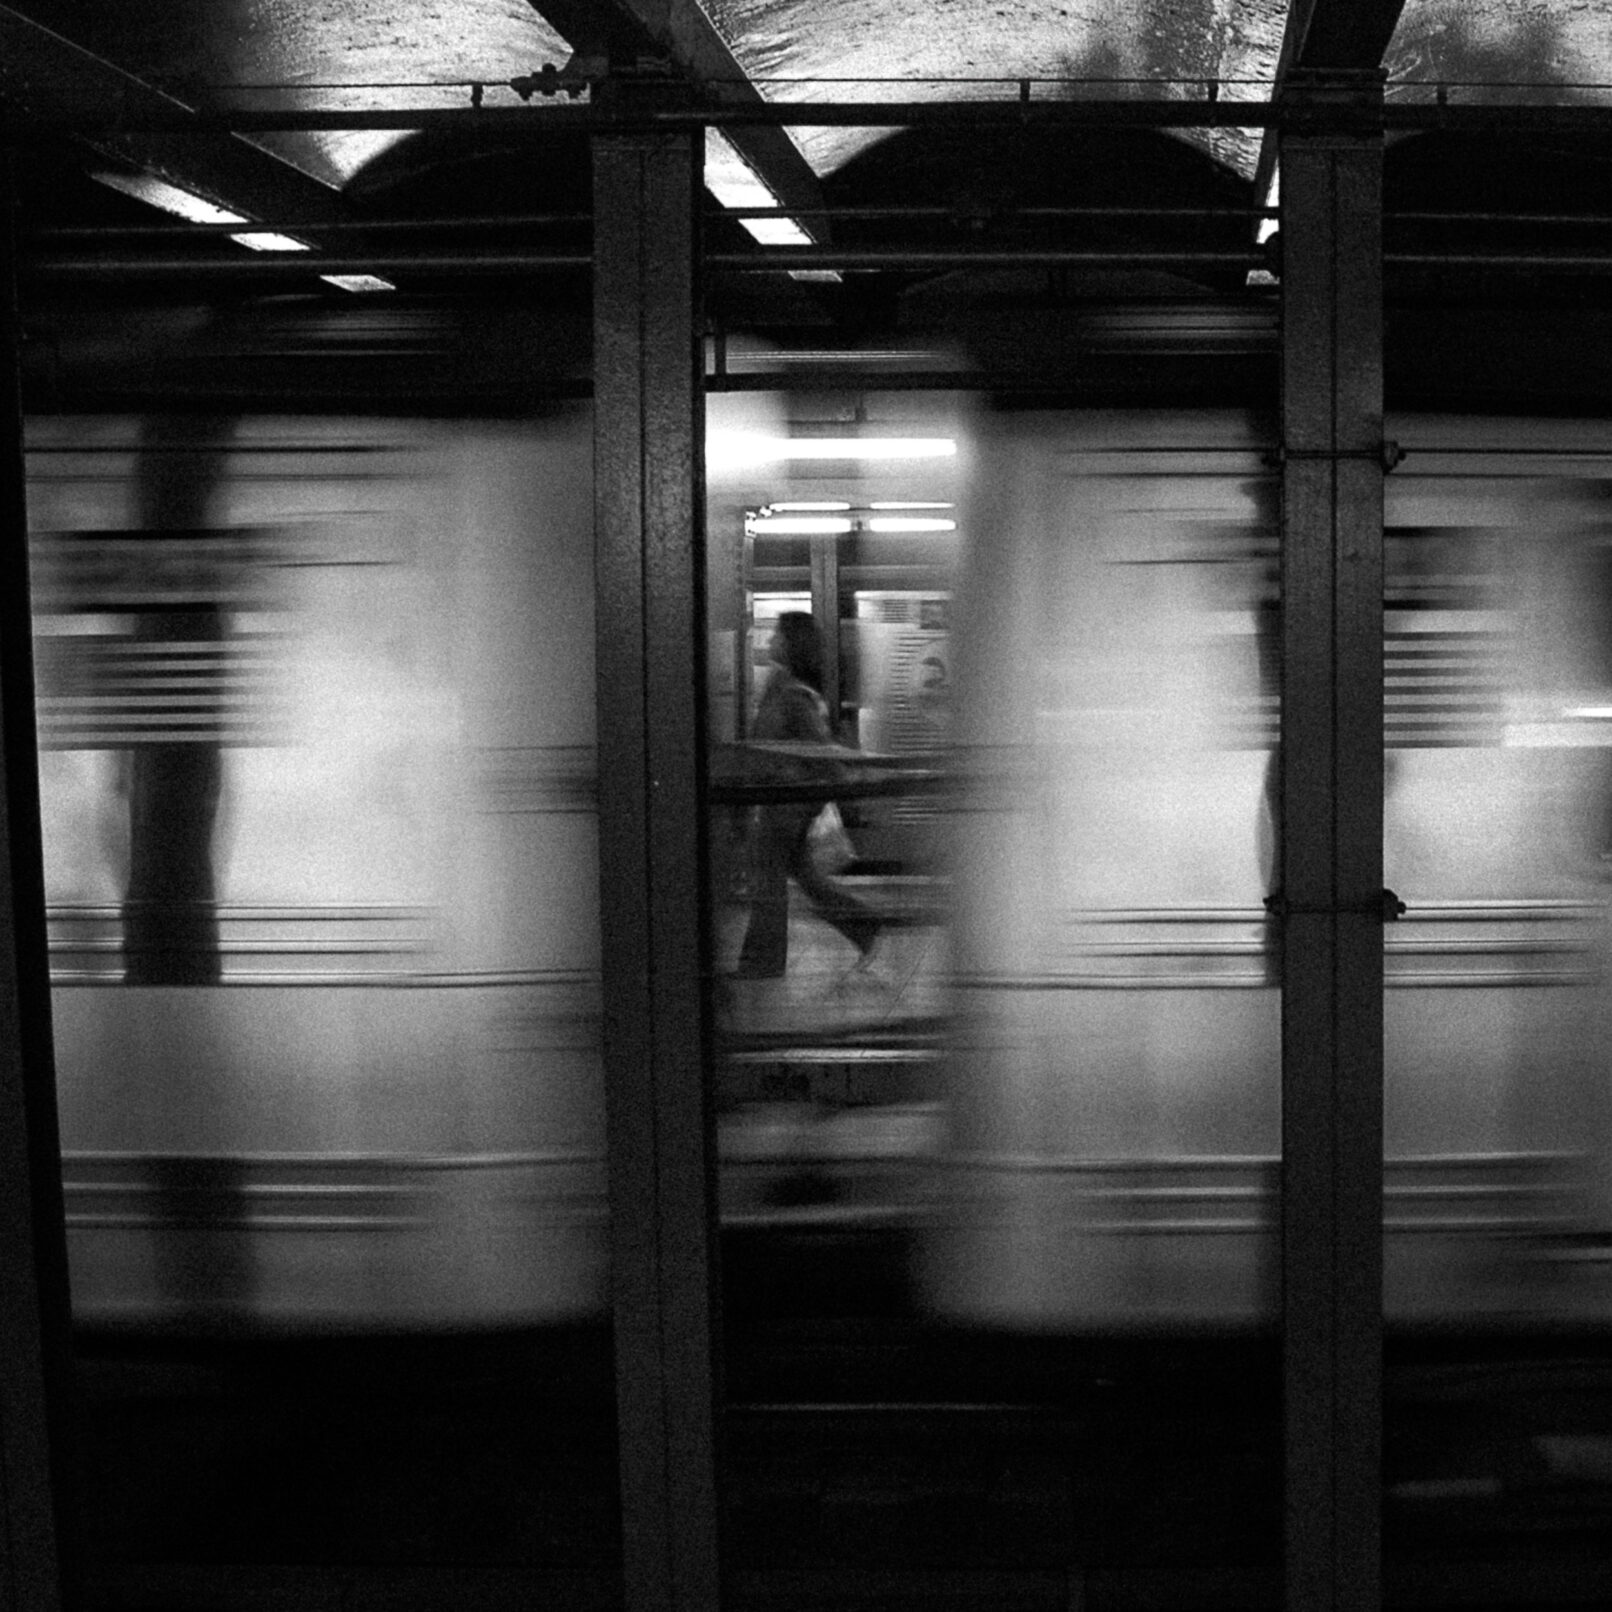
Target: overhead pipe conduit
[
  {"x": 619, "y": 118},
  {"x": 300, "y": 265}
]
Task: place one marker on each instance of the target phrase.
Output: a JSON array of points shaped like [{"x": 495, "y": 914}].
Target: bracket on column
[
  {"x": 638, "y": 85},
  {"x": 1342, "y": 101},
  {"x": 1388, "y": 454},
  {"x": 1389, "y": 907}
]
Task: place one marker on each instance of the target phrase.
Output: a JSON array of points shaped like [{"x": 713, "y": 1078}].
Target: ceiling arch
[{"x": 806, "y": 50}]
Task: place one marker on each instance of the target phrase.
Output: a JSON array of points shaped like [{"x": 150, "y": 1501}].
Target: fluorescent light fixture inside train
[
  {"x": 196, "y": 209},
  {"x": 868, "y": 448},
  {"x": 910, "y": 523},
  {"x": 806, "y": 506},
  {"x": 800, "y": 525},
  {"x": 739, "y": 450},
  {"x": 734, "y": 183}
]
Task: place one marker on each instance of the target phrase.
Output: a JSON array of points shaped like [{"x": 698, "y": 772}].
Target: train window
[
  {"x": 316, "y": 709},
  {"x": 999, "y": 1084},
  {"x": 825, "y": 942}
]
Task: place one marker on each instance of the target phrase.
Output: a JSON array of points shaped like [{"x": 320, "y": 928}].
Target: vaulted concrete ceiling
[
  {"x": 1479, "y": 50},
  {"x": 45, "y": 74},
  {"x": 678, "y": 33},
  {"x": 927, "y": 49},
  {"x": 288, "y": 54},
  {"x": 340, "y": 54}
]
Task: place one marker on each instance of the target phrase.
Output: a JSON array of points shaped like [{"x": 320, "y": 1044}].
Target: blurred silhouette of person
[
  {"x": 170, "y": 911},
  {"x": 793, "y": 711},
  {"x": 174, "y": 780},
  {"x": 1268, "y": 819},
  {"x": 171, "y": 937}
]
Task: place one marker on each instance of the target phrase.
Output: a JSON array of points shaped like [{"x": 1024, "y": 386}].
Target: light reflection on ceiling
[
  {"x": 924, "y": 43},
  {"x": 352, "y": 54},
  {"x": 338, "y": 55},
  {"x": 1521, "y": 51}
]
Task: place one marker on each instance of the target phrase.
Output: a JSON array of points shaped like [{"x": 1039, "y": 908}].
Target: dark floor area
[{"x": 871, "y": 1459}]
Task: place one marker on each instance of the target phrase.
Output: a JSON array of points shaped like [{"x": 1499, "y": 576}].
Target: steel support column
[
  {"x": 825, "y": 563},
  {"x": 648, "y": 515},
  {"x": 34, "y": 1361},
  {"x": 1331, "y": 831}
]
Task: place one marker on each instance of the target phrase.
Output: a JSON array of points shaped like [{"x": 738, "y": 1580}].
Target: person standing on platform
[{"x": 792, "y": 711}]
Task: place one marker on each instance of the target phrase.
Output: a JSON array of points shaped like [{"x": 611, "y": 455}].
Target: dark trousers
[{"x": 781, "y": 853}]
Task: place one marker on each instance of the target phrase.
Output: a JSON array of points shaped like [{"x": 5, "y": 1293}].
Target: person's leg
[
  {"x": 765, "y": 952},
  {"x": 854, "y": 919}
]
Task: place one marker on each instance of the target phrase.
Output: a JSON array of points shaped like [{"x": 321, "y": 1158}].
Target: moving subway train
[
  {"x": 317, "y": 740},
  {"x": 1115, "y": 1103},
  {"x": 316, "y": 727}
]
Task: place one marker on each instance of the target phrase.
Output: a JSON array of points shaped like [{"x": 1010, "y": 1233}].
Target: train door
[
  {"x": 838, "y": 525},
  {"x": 1042, "y": 1121}
]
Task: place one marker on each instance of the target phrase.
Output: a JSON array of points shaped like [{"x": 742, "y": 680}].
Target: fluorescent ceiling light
[
  {"x": 358, "y": 282},
  {"x": 801, "y": 525},
  {"x": 156, "y": 192},
  {"x": 909, "y": 523},
  {"x": 267, "y": 241},
  {"x": 1258, "y": 279},
  {"x": 806, "y": 506},
  {"x": 887, "y": 504},
  {"x": 1273, "y": 198},
  {"x": 734, "y": 183},
  {"x": 196, "y": 209},
  {"x": 777, "y": 231}
]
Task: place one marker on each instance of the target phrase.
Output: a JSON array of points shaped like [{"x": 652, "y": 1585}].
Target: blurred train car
[
  {"x": 1113, "y": 1160},
  {"x": 317, "y": 753},
  {"x": 316, "y": 720}
]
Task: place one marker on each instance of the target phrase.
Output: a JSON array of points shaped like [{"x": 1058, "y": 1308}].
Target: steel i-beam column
[
  {"x": 34, "y": 1360},
  {"x": 649, "y": 551},
  {"x": 826, "y": 608},
  {"x": 1331, "y": 836}
]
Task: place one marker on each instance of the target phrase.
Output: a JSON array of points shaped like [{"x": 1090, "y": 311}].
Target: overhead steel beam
[
  {"x": 679, "y": 32},
  {"x": 1323, "y": 36},
  {"x": 1485, "y": 117},
  {"x": 47, "y": 80},
  {"x": 287, "y": 265},
  {"x": 1346, "y": 35},
  {"x": 270, "y": 267},
  {"x": 370, "y": 228}
]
